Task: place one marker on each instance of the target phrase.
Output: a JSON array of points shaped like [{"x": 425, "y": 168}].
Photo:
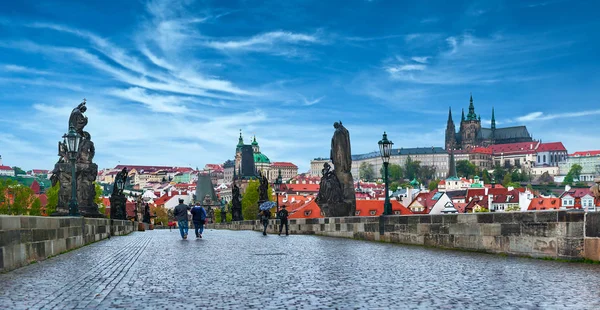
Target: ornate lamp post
[
  {"x": 277, "y": 186},
  {"x": 385, "y": 147},
  {"x": 72, "y": 140}
]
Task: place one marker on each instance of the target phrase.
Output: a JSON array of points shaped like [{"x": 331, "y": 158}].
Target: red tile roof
[
  {"x": 6, "y": 168},
  {"x": 308, "y": 211},
  {"x": 129, "y": 167},
  {"x": 40, "y": 171},
  {"x": 544, "y": 204},
  {"x": 577, "y": 192},
  {"x": 35, "y": 187},
  {"x": 375, "y": 207},
  {"x": 283, "y": 164},
  {"x": 586, "y": 153},
  {"x": 302, "y": 188},
  {"x": 514, "y": 148},
  {"x": 551, "y": 146},
  {"x": 481, "y": 150}
]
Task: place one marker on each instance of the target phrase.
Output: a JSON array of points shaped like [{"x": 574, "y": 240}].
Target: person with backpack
[
  {"x": 198, "y": 218},
  {"x": 283, "y": 220}
]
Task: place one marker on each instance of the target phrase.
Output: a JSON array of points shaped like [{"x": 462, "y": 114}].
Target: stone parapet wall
[
  {"x": 24, "y": 239},
  {"x": 544, "y": 234}
]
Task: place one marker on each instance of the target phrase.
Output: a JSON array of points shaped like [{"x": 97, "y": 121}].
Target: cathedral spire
[
  {"x": 450, "y": 114},
  {"x": 493, "y": 120},
  {"x": 471, "y": 116},
  {"x": 462, "y": 118}
]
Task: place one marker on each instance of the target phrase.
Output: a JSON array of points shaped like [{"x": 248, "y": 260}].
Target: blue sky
[{"x": 173, "y": 82}]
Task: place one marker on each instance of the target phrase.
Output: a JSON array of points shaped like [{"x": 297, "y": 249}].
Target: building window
[
  {"x": 373, "y": 212},
  {"x": 538, "y": 158},
  {"x": 544, "y": 158}
]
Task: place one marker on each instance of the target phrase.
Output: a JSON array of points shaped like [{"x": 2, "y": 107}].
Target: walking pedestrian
[
  {"x": 264, "y": 216},
  {"x": 198, "y": 218},
  {"x": 181, "y": 214},
  {"x": 283, "y": 220}
]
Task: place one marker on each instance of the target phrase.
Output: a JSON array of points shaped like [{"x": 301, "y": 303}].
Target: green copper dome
[
  {"x": 254, "y": 141},
  {"x": 476, "y": 185},
  {"x": 414, "y": 183},
  {"x": 261, "y": 158}
]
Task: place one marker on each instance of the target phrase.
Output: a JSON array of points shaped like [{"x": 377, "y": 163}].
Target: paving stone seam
[
  {"x": 95, "y": 275},
  {"x": 115, "y": 281},
  {"x": 53, "y": 296}
]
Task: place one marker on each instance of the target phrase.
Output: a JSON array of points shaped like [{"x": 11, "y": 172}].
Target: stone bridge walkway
[{"x": 243, "y": 269}]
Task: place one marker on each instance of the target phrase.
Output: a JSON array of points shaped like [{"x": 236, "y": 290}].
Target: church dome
[{"x": 261, "y": 158}]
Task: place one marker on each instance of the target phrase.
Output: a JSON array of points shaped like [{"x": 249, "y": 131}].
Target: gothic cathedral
[{"x": 471, "y": 134}]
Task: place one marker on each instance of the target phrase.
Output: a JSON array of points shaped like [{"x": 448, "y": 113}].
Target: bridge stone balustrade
[
  {"x": 542, "y": 234},
  {"x": 25, "y": 239}
]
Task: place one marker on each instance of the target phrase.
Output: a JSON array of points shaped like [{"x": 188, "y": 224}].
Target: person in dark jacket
[
  {"x": 283, "y": 220},
  {"x": 181, "y": 215},
  {"x": 264, "y": 217},
  {"x": 198, "y": 218}
]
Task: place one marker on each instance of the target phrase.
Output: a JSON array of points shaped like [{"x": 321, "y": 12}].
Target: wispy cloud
[
  {"x": 308, "y": 102},
  {"x": 421, "y": 59},
  {"x": 20, "y": 69},
  {"x": 270, "y": 42},
  {"x": 468, "y": 59},
  {"x": 541, "y": 116}
]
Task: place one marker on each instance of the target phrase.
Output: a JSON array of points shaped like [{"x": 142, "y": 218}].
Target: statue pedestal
[{"x": 141, "y": 226}]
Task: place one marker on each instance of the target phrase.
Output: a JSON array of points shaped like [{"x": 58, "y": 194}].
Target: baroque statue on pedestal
[{"x": 336, "y": 193}]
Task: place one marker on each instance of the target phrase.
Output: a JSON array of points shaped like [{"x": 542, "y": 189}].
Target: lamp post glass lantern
[
  {"x": 277, "y": 185},
  {"x": 385, "y": 148},
  {"x": 72, "y": 140}
]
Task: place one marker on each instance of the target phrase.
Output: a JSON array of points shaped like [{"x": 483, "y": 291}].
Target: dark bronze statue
[
  {"x": 85, "y": 169},
  {"x": 77, "y": 120},
  {"x": 118, "y": 207},
  {"x": 236, "y": 204},
  {"x": 263, "y": 189},
  {"x": 336, "y": 193}
]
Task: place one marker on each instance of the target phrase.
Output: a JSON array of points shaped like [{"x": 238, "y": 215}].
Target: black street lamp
[
  {"x": 72, "y": 140},
  {"x": 277, "y": 186},
  {"x": 385, "y": 147}
]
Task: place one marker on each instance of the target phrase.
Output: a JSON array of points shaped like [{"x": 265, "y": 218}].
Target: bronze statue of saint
[
  {"x": 341, "y": 155},
  {"x": 77, "y": 120},
  {"x": 86, "y": 149}
]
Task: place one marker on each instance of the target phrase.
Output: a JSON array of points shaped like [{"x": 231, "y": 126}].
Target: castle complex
[{"x": 471, "y": 134}]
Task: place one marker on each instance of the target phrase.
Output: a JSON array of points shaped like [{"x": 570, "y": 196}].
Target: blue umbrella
[{"x": 267, "y": 205}]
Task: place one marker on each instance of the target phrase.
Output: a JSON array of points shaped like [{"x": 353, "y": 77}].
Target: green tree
[
  {"x": 6, "y": 186},
  {"x": 18, "y": 170},
  {"x": 36, "y": 207},
  {"x": 250, "y": 201},
  {"x": 395, "y": 172},
  {"x": 433, "y": 184},
  {"x": 515, "y": 176},
  {"x": 513, "y": 209},
  {"x": 411, "y": 168},
  {"x": 568, "y": 180},
  {"x": 485, "y": 176},
  {"x": 162, "y": 216},
  {"x": 52, "y": 195},
  {"x": 576, "y": 171},
  {"x": 465, "y": 168},
  {"x": 394, "y": 186},
  {"x": 499, "y": 173},
  {"x": 507, "y": 180},
  {"x": 23, "y": 199},
  {"x": 366, "y": 171},
  {"x": 426, "y": 173}
]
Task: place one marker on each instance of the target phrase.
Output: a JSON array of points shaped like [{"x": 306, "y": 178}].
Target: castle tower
[
  {"x": 238, "y": 153},
  {"x": 450, "y": 132},
  {"x": 493, "y": 127},
  {"x": 255, "y": 146},
  {"x": 470, "y": 127}
]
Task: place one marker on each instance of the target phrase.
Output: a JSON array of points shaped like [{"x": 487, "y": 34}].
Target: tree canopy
[
  {"x": 366, "y": 171},
  {"x": 465, "y": 168}
]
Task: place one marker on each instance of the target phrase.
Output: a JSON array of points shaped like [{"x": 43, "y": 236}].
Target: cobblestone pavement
[{"x": 243, "y": 269}]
